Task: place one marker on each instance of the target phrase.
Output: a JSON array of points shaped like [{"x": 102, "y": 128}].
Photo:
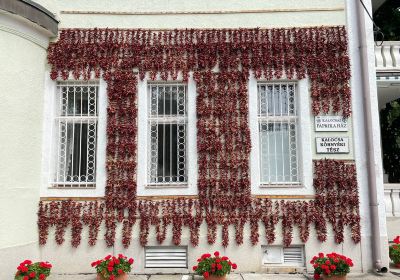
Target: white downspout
[{"x": 371, "y": 158}]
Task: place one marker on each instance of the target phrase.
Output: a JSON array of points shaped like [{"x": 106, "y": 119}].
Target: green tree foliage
[
  {"x": 390, "y": 131},
  {"x": 387, "y": 17}
]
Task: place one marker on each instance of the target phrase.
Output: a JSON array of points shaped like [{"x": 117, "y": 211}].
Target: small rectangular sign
[
  {"x": 331, "y": 123},
  {"x": 332, "y": 145}
]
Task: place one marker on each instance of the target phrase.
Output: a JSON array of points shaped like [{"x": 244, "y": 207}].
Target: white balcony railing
[
  {"x": 387, "y": 56},
  {"x": 392, "y": 200}
]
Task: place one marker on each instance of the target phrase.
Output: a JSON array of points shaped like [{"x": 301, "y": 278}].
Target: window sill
[
  {"x": 75, "y": 186},
  {"x": 282, "y": 185},
  {"x": 167, "y": 186}
]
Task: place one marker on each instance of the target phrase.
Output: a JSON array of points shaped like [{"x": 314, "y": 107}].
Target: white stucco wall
[
  {"x": 129, "y": 14},
  {"x": 22, "y": 60}
]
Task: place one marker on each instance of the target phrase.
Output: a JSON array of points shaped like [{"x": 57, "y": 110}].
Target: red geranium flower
[
  {"x": 234, "y": 266},
  {"x": 206, "y": 274}
]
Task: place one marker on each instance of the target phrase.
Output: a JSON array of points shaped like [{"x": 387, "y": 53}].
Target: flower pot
[
  {"x": 215, "y": 277},
  {"x": 334, "y": 277},
  {"x": 122, "y": 276},
  {"x": 397, "y": 265}
]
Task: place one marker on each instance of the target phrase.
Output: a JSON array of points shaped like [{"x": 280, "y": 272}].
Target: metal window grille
[
  {"x": 165, "y": 257},
  {"x": 277, "y": 117},
  {"x": 167, "y": 127},
  {"x": 76, "y": 128}
]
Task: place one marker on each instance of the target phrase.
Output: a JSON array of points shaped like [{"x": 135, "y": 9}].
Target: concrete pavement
[{"x": 242, "y": 276}]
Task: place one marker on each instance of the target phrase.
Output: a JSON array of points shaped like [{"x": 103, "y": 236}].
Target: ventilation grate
[
  {"x": 293, "y": 255},
  {"x": 166, "y": 257}
]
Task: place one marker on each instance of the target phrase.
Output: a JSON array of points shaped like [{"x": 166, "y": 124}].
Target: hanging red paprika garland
[{"x": 223, "y": 138}]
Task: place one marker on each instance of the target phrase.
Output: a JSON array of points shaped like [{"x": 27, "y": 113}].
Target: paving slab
[
  {"x": 256, "y": 276},
  {"x": 392, "y": 275},
  {"x": 167, "y": 277},
  {"x": 89, "y": 277},
  {"x": 232, "y": 276},
  {"x": 369, "y": 276}
]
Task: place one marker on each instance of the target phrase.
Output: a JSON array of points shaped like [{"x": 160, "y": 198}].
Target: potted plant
[
  {"x": 32, "y": 271},
  {"x": 214, "y": 267},
  {"x": 113, "y": 268},
  {"x": 394, "y": 252},
  {"x": 332, "y": 266}
]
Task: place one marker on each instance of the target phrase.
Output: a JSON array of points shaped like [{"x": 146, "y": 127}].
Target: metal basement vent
[
  {"x": 277, "y": 255},
  {"x": 293, "y": 255},
  {"x": 167, "y": 257}
]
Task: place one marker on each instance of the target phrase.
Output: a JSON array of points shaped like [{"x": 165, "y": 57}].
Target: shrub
[
  {"x": 331, "y": 264},
  {"x": 216, "y": 265},
  {"x": 394, "y": 250},
  {"x": 111, "y": 266},
  {"x": 32, "y": 271}
]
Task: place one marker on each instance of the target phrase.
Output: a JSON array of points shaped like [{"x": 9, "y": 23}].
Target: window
[
  {"x": 76, "y": 130},
  {"x": 287, "y": 256},
  {"x": 277, "y": 122},
  {"x": 167, "y": 133}
]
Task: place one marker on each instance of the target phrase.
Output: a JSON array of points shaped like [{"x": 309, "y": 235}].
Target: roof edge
[{"x": 33, "y": 12}]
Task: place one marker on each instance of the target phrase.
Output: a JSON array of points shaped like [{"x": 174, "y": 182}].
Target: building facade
[{"x": 164, "y": 130}]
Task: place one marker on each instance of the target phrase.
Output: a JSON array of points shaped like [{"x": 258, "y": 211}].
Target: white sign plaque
[
  {"x": 331, "y": 123},
  {"x": 332, "y": 145}
]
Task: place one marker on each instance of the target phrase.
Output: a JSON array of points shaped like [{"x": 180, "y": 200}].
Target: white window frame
[
  {"x": 304, "y": 144},
  {"x": 144, "y": 186},
  {"x": 168, "y": 120},
  {"x": 265, "y": 119},
  {"x": 50, "y": 144}
]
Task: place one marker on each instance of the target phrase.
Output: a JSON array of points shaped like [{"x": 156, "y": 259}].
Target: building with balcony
[{"x": 387, "y": 59}]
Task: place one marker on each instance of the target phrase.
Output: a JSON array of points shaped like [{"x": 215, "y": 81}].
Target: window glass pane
[
  {"x": 167, "y": 134},
  {"x": 277, "y": 157},
  {"x": 277, "y": 128},
  {"x": 276, "y": 100},
  {"x": 78, "y": 100},
  {"x": 77, "y": 133},
  {"x": 167, "y": 100}
]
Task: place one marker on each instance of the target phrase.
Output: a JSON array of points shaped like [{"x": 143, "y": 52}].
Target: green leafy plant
[
  {"x": 390, "y": 133},
  {"x": 218, "y": 266},
  {"x": 331, "y": 264},
  {"x": 394, "y": 250},
  {"x": 387, "y": 17},
  {"x": 33, "y": 271},
  {"x": 111, "y": 266}
]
